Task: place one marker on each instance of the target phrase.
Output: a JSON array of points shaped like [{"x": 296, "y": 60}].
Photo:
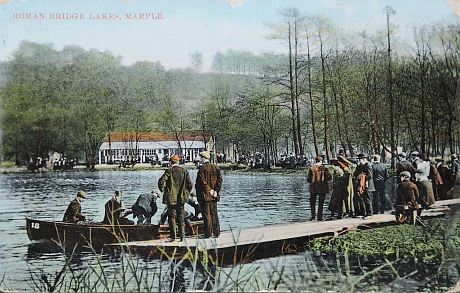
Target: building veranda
[{"x": 153, "y": 147}]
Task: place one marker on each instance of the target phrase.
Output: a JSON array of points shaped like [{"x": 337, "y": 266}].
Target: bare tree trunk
[
  {"x": 293, "y": 96},
  {"x": 389, "y": 11},
  {"x": 310, "y": 95},
  {"x": 325, "y": 101}
]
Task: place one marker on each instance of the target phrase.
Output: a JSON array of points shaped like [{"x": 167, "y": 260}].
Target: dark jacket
[
  {"x": 145, "y": 205},
  {"x": 407, "y": 194},
  {"x": 208, "y": 177},
  {"x": 434, "y": 176},
  {"x": 176, "y": 185},
  {"x": 319, "y": 177},
  {"x": 366, "y": 169},
  {"x": 379, "y": 174},
  {"x": 113, "y": 209},
  {"x": 406, "y": 166},
  {"x": 73, "y": 212}
]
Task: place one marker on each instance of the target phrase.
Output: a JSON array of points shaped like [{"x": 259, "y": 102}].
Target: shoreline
[{"x": 226, "y": 167}]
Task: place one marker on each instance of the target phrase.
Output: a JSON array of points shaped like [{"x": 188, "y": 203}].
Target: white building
[{"x": 144, "y": 146}]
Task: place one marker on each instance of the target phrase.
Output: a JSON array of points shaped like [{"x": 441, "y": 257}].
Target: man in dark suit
[
  {"x": 318, "y": 177},
  {"x": 208, "y": 185},
  {"x": 73, "y": 212},
  {"x": 176, "y": 185},
  {"x": 144, "y": 208},
  {"x": 114, "y": 211}
]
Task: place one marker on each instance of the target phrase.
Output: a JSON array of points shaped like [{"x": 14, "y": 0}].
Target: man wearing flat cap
[
  {"x": 406, "y": 198},
  {"x": 363, "y": 197},
  {"x": 73, "y": 212},
  {"x": 176, "y": 185},
  {"x": 208, "y": 184}
]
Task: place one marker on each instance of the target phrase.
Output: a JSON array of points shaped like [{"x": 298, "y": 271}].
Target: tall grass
[{"x": 120, "y": 270}]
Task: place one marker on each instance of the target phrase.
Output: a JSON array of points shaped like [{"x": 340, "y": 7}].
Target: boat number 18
[{"x": 35, "y": 225}]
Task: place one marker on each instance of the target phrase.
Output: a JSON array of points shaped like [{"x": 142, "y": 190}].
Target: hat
[
  {"x": 117, "y": 193},
  {"x": 155, "y": 193},
  {"x": 344, "y": 160},
  {"x": 174, "y": 158},
  {"x": 406, "y": 174},
  {"x": 439, "y": 160},
  {"x": 402, "y": 154},
  {"x": 205, "y": 154},
  {"x": 362, "y": 156},
  {"x": 81, "y": 194},
  {"x": 415, "y": 153}
]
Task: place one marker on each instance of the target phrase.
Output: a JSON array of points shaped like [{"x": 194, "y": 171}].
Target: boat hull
[{"x": 95, "y": 234}]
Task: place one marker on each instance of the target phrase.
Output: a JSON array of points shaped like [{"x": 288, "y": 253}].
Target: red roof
[{"x": 159, "y": 136}]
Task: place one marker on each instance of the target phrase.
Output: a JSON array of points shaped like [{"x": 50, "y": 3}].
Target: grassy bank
[{"x": 426, "y": 241}]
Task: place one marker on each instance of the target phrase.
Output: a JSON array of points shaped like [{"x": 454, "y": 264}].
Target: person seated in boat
[
  {"x": 144, "y": 208},
  {"x": 406, "y": 204},
  {"x": 114, "y": 210},
  {"x": 73, "y": 212}
]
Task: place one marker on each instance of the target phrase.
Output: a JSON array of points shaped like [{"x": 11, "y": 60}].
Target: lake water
[{"x": 247, "y": 200}]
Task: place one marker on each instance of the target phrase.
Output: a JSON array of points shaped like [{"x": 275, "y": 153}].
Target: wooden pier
[{"x": 240, "y": 245}]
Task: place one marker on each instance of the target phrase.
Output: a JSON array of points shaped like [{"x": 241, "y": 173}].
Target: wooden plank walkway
[{"x": 276, "y": 239}]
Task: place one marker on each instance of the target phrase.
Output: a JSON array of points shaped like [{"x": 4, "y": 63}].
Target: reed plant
[{"x": 120, "y": 270}]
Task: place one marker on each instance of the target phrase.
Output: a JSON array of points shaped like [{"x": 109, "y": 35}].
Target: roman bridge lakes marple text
[{"x": 84, "y": 16}]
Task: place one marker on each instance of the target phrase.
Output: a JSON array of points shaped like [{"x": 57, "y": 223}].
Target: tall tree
[
  {"x": 290, "y": 31},
  {"x": 390, "y": 11}
]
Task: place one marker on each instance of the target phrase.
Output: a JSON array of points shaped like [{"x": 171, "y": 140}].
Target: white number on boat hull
[{"x": 35, "y": 225}]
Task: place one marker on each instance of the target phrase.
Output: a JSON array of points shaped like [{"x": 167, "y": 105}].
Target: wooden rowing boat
[{"x": 96, "y": 234}]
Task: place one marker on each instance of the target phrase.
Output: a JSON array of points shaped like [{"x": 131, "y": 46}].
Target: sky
[{"x": 183, "y": 27}]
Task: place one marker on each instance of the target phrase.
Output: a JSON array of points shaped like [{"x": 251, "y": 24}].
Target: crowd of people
[
  {"x": 357, "y": 187},
  {"x": 181, "y": 204}
]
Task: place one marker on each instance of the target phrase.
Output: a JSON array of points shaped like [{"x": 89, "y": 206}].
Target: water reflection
[{"x": 247, "y": 200}]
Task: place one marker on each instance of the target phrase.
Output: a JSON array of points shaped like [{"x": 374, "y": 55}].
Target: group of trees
[{"x": 330, "y": 90}]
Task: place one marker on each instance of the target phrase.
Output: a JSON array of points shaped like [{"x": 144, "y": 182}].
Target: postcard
[{"x": 293, "y": 145}]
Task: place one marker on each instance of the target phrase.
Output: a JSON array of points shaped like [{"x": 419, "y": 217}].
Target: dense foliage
[{"x": 330, "y": 90}]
